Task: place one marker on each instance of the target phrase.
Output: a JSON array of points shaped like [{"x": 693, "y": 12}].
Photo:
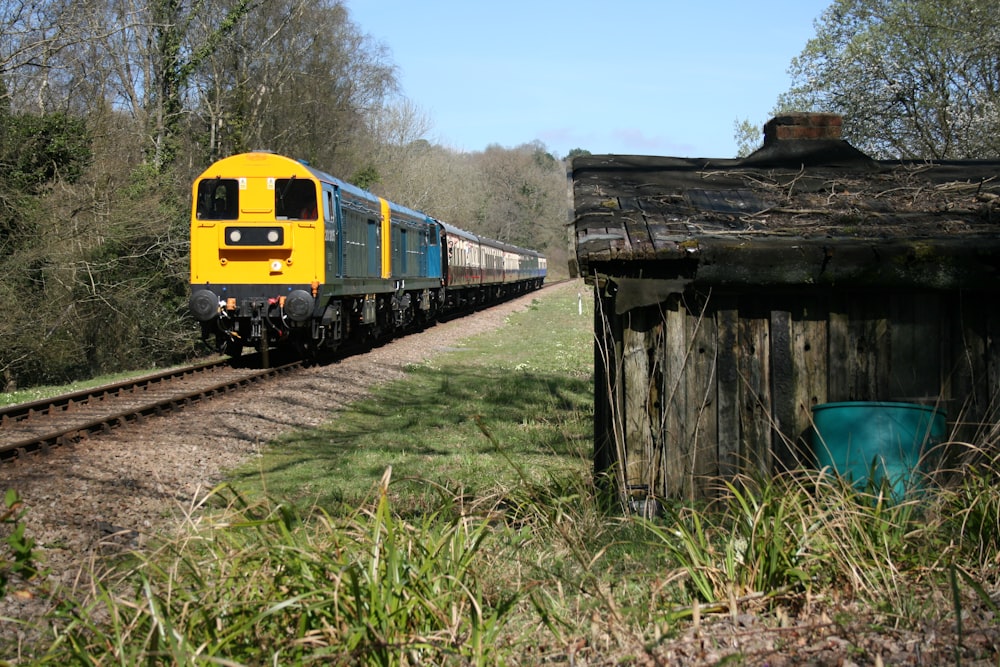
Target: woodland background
[{"x": 109, "y": 108}]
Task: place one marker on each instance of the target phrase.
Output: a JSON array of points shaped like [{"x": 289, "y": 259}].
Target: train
[{"x": 283, "y": 254}]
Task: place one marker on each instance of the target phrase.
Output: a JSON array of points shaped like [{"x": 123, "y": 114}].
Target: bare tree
[
  {"x": 521, "y": 187},
  {"x": 297, "y": 77},
  {"x": 36, "y": 39}
]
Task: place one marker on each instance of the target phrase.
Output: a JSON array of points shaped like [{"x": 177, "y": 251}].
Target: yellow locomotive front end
[{"x": 257, "y": 249}]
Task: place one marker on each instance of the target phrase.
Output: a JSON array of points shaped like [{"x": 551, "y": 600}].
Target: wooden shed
[{"x": 732, "y": 296}]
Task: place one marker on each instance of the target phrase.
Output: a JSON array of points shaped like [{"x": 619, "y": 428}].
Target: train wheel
[{"x": 307, "y": 352}]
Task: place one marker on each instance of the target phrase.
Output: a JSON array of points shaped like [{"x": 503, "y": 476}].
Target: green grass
[
  {"x": 47, "y": 391},
  {"x": 468, "y": 531},
  {"x": 30, "y": 394},
  {"x": 488, "y": 415}
]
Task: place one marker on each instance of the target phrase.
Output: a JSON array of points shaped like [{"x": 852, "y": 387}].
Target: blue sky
[{"x": 654, "y": 77}]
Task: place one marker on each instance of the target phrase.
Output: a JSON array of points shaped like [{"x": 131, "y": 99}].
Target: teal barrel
[{"x": 866, "y": 441}]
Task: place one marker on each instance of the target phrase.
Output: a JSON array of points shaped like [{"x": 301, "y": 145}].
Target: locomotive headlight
[
  {"x": 252, "y": 235},
  {"x": 275, "y": 265}
]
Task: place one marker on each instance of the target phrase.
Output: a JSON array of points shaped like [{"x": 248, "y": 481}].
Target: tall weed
[
  {"x": 756, "y": 539},
  {"x": 266, "y": 584}
]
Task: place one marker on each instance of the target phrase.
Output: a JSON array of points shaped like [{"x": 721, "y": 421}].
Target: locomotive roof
[
  {"x": 342, "y": 184},
  {"x": 361, "y": 192},
  {"x": 268, "y": 162},
  {"x": 794, "y": 213}
]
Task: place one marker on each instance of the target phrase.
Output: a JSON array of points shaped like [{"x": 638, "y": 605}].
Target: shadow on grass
[{"x": 460, "y": 428}]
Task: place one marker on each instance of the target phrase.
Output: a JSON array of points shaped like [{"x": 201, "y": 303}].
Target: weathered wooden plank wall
[{"x": 703, "y": 386}]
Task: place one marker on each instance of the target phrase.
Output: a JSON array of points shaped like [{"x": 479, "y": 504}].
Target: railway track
[{"x": 36, "y": 426}]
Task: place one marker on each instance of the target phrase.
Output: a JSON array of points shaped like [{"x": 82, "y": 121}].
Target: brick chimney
[
  {"x": 803, "y": 125},
  {"x": 806, "y": 138}
]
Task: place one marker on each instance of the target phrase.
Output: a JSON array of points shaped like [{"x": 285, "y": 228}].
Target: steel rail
[
  {"x": 119, "y": 404},
  {"x": 10, "y": 414}
]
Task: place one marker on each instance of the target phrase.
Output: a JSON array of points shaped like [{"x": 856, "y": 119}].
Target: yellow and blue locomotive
[{"x": 284, "y": 253}]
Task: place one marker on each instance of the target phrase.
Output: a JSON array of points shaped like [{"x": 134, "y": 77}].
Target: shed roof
[{"x": 797, "y": 212}]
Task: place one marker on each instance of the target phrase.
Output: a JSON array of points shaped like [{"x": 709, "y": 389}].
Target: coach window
[{"x": 218, "y": 199}]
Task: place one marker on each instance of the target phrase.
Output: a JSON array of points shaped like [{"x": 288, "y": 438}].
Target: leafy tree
[
  {"x": 175, "y": 57},
  {"x": 748, "y": 137},
  {"x": 366, "y": 177},
  {"x": 912, "y": 78},
  {"x": 36, "y": 152}
]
